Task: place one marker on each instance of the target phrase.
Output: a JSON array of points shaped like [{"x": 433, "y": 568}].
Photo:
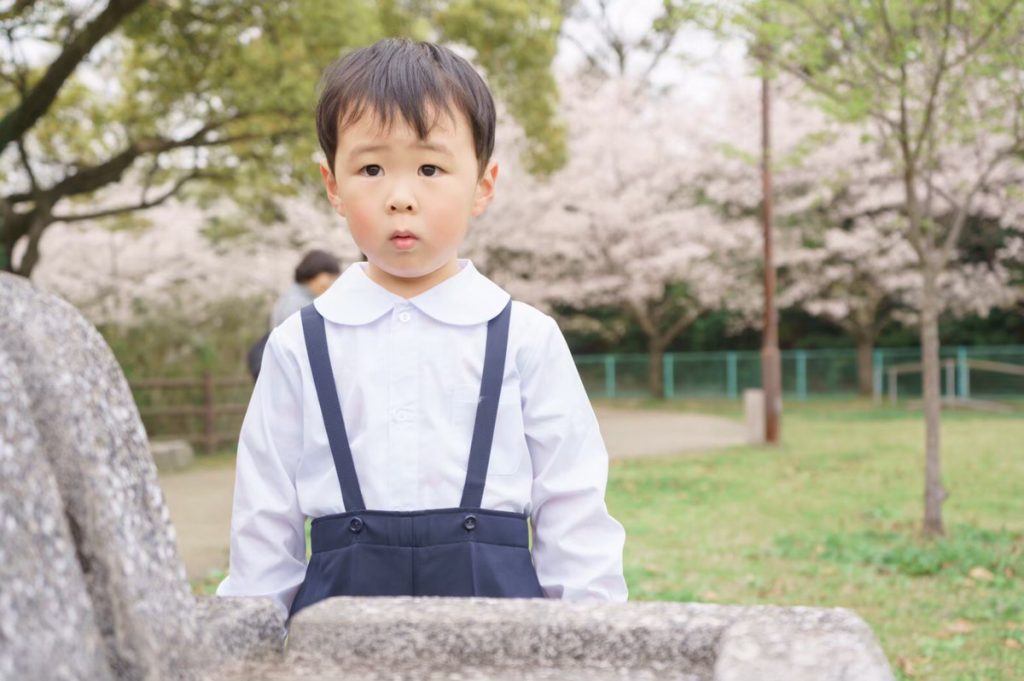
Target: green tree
[
  {"x": 207, "y": 100},
  {"x": 941, "y": 83}
]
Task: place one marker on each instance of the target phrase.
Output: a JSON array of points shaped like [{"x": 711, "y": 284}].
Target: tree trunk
[
  {"x": 934, "y": 492},
  {"x": 16, "y": 226},
  {"x": 655, "y": 372},
  {"x": 865, "y": 366},
  {"x": 30, "y": 258}
]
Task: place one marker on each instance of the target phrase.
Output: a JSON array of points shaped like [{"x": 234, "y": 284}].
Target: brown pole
[{"x": 771, "y": 370}]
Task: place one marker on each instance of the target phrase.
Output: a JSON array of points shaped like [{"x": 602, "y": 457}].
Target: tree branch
[
  {"x": 933, "y": 92},
  {"x": 142, "y": 205},
  {"x": 825, "y": 28},
  {"x": 16, "y": 10},
  {"x": 677, "y": 327},
  {"x": 38, "y": 220},
  {"x": 963, "y": 209},
  {"x": 33, "y": 185},
  {"x": 592, "y": 60},
  {"x": 91, "y": 178},
  {"x": 986, "y": 34},
  {"x": 643, "y": 318},
  {"x": 42, "y": 94}
]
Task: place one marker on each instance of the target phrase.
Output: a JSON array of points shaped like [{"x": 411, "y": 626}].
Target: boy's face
[{"x": 408, "y": 201}]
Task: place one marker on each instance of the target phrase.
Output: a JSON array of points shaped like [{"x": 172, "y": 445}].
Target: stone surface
[
  {"x": 93, "y": 586},
  {"x": 538, "y": 639},
  {"x": 240, "y": 631},
  {"x": 45, "y": 610},
  {"x": 171, "y": 455},
  {"x": 799, "y": 644},
  {"x": 92, "y": 438}
]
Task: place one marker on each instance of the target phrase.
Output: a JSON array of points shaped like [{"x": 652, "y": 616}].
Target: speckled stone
[
  {"x": 44, "y": 608},
  {"x": 538, "y": 639},
  {"x": 799, "y": 644},
  {"x": 73, "y": 442},
  {"x": 240, "y": 631},
  {"x": 91, "y": 436}
]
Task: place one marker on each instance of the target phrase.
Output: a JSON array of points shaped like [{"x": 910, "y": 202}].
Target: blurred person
[
  {"x": 415, "y": 381},
  {"x": 313, "y": 275}
]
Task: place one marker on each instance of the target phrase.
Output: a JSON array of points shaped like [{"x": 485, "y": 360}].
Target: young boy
[{"x": 418, "y": 415}]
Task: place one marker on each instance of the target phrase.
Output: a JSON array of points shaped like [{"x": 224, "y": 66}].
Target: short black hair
[
  {"x": 396, "y": 76},
  {"x": 314, "y": 263}
]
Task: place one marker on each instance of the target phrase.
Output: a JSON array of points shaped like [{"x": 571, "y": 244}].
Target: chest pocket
[{"x": 509, "y": 447}]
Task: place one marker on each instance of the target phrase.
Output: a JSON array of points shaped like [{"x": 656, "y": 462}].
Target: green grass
[{"x": 831, "y": 518}]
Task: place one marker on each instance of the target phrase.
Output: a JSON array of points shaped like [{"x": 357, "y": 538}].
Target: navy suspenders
[
  {"x": 330, "y": 407},
  {"x": 486, "y": 413},
  {"x": 487, "y": 409}
]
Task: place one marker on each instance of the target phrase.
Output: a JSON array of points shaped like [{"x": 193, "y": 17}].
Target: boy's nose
[
  {"x": 401, "y": 199},
  {"x": 400, "y": 206}
]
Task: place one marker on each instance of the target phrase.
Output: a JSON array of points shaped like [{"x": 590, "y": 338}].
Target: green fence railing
[{"x": 805, "y": 373}]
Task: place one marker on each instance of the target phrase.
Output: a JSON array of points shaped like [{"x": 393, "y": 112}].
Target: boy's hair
[
  {"x": 314, "y": 263},
  {"x": 396, "y": 76}
]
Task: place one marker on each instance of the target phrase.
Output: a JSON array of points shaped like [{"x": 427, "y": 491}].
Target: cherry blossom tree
[
  {"x": 178, "y": 266},
  {"x": 939, "y": 83},
  {"x": 862, "y": 277},
  {"x": 621, "y": 225}
]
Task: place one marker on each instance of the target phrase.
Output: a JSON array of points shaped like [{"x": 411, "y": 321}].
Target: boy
[{"x": 415, "y": 412}]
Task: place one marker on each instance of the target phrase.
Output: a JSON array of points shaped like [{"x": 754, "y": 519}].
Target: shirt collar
[{"x": 464, "y": 299}]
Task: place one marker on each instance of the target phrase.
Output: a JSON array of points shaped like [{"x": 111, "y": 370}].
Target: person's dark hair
[
  {"x": 314, "y": 263},
  {"x": 396, "y": 76}
]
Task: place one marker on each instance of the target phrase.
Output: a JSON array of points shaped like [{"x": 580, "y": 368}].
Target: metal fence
[
  {"x": 206, "y": 410},
  {"x": 805, "y": 373}
]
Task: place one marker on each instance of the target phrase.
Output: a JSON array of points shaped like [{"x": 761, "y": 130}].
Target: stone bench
[{"x": 440, "y": 638}]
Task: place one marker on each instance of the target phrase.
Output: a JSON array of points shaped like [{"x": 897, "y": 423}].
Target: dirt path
[{"x": 200, "y": 498}]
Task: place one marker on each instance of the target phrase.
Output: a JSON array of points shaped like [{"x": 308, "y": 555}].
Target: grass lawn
[{"x": 831, "y": 519}]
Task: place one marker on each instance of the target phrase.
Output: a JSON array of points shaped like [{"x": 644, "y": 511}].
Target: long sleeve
[
  {"x": 577, "y": 545},
  {"x": 267, "y": 527}
]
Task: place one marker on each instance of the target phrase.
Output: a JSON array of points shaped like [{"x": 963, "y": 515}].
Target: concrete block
[
  {"x": 754, "y": 417},
  {"x": 171, "y": 455}
]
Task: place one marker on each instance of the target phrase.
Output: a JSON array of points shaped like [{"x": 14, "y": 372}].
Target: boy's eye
[
  {"x": 371, "y": 170},
  {"x": 430, "y": 170}
]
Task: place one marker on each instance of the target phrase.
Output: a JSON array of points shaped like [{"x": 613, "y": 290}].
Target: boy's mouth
[{"x": 403, "y": 240}]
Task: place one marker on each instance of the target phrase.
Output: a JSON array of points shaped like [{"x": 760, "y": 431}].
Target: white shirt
[{"x": 408, "y": 375}]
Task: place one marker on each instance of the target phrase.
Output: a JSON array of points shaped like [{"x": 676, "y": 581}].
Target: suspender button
[
  {"x": 355, "y": 525},
  {"x": 469, "y": 523}
]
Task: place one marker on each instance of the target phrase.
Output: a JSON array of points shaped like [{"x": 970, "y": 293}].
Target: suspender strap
[
  {"x": 330, "y": 407},
  {"x": 487, "y": 409}
]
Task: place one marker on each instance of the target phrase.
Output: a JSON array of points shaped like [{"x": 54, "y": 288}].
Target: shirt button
[{"x": 404, "y": 317}]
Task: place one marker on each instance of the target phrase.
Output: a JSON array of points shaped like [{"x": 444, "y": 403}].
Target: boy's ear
[
  {"x": 485, "y": 188},
  {"x": 331, "y": 185}
]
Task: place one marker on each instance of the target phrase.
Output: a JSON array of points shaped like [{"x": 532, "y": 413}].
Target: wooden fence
[{"x": 204, "y": 405}]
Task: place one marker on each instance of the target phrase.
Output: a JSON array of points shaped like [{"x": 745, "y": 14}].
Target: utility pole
[{"x": 771, "y": 363}]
